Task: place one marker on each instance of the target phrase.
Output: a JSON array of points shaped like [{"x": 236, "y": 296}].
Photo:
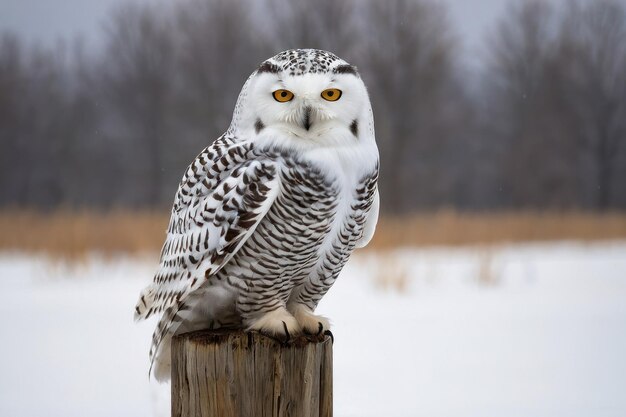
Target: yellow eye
[
  {"x": 332, "y": 94},
  {"x": 282, "y": 95}
]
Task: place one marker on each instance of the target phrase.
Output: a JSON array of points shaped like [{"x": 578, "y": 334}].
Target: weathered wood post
[{"x": 237, "y": 374}]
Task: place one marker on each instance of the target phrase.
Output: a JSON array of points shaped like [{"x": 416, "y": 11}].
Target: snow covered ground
[{"x": 532, "y": 330}]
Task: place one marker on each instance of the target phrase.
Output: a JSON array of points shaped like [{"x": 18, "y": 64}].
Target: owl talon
[
  {"x": 287, "y": 335},
  {"x": 279, "y": 325},
  {"x": 320, "y": 327},
  {"x": 329, "y": 333},
  {"x": 312, "y": 325}
]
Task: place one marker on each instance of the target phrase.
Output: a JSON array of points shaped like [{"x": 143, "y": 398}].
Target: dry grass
[
  {"x": 74, "y": 234},
  {"x": 456, "y": 229},
  {"x": 391, "y": 274}
]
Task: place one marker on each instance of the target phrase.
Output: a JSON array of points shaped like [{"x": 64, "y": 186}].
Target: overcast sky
[{"x": 47, "y": 20}]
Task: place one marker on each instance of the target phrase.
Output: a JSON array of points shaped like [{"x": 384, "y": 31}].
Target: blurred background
[{"x": 496, "y": 282}]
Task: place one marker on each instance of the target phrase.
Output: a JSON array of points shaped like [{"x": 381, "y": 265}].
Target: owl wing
[
  {"x": 224, "y": 194},
  {"x": 370, "y": 222}
]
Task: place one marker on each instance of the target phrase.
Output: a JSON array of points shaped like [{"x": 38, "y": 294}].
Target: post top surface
[{"x": 250, "y": 338}]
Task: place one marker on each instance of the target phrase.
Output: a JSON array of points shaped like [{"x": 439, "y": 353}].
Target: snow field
[{"x": 530, "y": 330}]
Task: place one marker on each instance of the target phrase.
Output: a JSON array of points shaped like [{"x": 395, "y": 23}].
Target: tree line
[{"x": 539, "y": 124}]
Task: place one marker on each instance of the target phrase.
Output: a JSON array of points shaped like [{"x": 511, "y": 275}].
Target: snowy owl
[{"x": 266, "y": 217}]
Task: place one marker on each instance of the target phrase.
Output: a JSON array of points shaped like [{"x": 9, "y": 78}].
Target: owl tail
[
  {"x": 144, "y": 309},
  {"x": 161, "y": 366},
  {"x": 168, "y": 325}
]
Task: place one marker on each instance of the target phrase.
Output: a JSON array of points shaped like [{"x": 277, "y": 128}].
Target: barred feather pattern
[
  {"x": 232, "y": 228},
  {"x": 294, "y": 256}
]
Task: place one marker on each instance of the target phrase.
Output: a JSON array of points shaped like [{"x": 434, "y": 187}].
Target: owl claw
[
  {"x": 279, "y": 325},
  {"x": 320, "y": 328},
  {"x": 280, "y": 338},
  {"x": 312, "y": 325},
  {"x": 329, "y": 333},
  {"x": 287, "y": 335}
]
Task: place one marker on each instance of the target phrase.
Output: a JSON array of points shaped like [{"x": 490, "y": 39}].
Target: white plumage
[{"x": 265, "y": 218}]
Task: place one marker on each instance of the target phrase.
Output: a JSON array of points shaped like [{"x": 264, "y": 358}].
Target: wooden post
[{"x": 237, "y": 374}]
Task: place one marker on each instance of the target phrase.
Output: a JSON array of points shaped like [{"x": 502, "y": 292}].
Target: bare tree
[
  {"x": 537, "y": 159},
  {"x": 593, "y": 73},
  {"x": 11, "y": 117},
  {"x": 37, "y": 122},
  {"x": 557, "y": 81},
  {"x": 545, "y": 126},
  {"x": 215, "y": 53},
  {"x": 408, "y": 64},
  {"x": 138, "y": 69},
  {"x": 322, "y": 24}
]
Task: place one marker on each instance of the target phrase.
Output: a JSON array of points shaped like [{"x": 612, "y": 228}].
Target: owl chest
[
  {"x": 305, "y": 210},
  {"x": 305, "y": 218}
]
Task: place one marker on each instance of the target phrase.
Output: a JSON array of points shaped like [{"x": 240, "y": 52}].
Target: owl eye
[
  {"x": 331, "y": 94},
  {"x": 282, "y": 96}
]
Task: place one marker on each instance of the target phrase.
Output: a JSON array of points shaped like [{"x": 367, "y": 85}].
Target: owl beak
[{"x": 306, "y": 123}]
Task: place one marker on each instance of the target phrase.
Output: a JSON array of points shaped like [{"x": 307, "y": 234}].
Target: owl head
[{"x": 306, "y": 96}]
